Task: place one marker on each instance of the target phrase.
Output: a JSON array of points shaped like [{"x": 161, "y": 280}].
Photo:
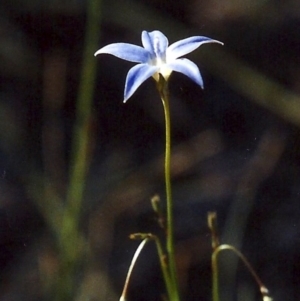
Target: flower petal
[
  {"x": 155, "y": 42},
  {"x": 147, "y": 42},
  {"x": 136, "y": 76},
  {"x": 125, "y": 51},
  {"x": 187, "y": 45},
  {"x": 188, "y": 68}
]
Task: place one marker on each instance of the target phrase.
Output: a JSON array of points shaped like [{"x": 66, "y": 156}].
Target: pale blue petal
[
  {"x": 125, "y": 51},
  {"x": 147, "y": 42},
  {"x": 136, "y": 76},
  {"x": 188, "y": 68},
  {"x": 187, "y": 45},
  {"x": 158, "y": 41}
]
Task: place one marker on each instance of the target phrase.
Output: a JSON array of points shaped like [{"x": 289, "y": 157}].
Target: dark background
[{"x": 235, "y": 146}]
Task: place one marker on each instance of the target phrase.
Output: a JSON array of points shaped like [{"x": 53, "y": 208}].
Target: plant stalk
[
  {"x": 69, "y": 235},
  {"x": 164, "y": 94}
]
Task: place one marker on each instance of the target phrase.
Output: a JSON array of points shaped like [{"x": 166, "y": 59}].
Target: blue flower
[{"x": 157, "y": 57}]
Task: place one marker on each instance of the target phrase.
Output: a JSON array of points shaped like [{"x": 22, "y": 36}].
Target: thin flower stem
[
  {"x": 134, "y": 259},
  {"x": 164, "y": 94},
  {"x": 162, "y": 259},
  {"x": 212, "y": 224},
  {"x": 164, "y": 266},
  {"x": 215, "y": 275},
  {"x": 215, "y": 284}
]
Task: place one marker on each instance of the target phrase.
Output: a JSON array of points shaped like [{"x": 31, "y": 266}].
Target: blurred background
[{"x": 235, "y": 149}]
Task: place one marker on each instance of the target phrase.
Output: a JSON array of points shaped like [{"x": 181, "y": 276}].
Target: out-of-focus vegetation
[{"x": 235, "y": 149}]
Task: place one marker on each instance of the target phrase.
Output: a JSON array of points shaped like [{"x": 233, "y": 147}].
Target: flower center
[{"x": 159, "y": 59}]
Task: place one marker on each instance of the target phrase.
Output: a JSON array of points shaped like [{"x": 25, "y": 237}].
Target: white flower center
[{"x": 160, "y": 61}]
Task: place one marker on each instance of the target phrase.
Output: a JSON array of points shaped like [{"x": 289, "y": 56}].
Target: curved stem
[
  {"x": 162, "y": 86},
  {"x": 264, "y": 291},
  {"x": 133, "y": 261}
]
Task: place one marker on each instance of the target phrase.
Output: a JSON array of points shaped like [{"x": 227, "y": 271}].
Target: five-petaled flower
[{"x": 157, "y": 57}]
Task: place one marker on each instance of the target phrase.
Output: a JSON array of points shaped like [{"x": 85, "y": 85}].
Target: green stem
[
  {"x": 215, "y": 275},
  {"x": 162, "y": 86},
  {"x": 215, "y": 281},
  {"x": 164, "y": 266},
  {"x": 69, "y": 235},
  {"x": 81, "y": 132},
  {"x": 212, "y": 224}
]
